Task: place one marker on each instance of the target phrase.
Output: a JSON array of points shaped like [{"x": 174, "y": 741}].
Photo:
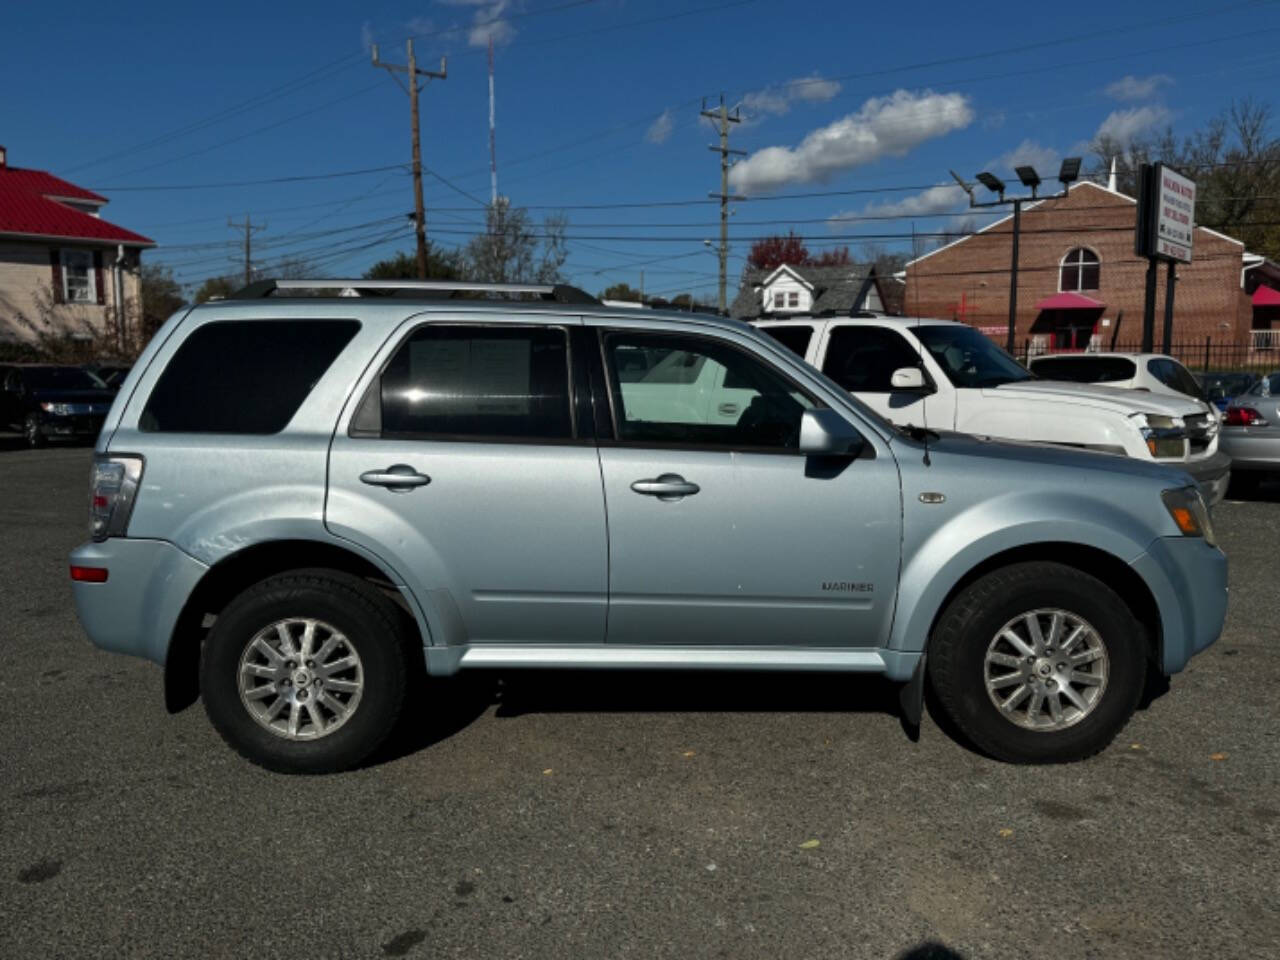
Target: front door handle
[
  {"x": 668, "y": 486},
  {"x": 400, "y": 477}
]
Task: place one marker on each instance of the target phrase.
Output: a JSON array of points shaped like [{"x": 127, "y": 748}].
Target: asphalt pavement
[{"x": 596, "y": 815}]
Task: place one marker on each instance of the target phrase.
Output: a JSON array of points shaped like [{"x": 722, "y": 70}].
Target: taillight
[
  {"x": 113, "y": 487},
  {"x": 1243, "y": 417}
]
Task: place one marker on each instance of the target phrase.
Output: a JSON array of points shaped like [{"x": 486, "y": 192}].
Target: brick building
[{"x": 1080, "y": 284}]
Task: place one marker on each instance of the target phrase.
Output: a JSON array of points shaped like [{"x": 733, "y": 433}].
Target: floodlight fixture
[
  {"x": 991, "y": 182},
  {"x": 1028, "y": 176},
  {"x": 1070, "y": 171}
]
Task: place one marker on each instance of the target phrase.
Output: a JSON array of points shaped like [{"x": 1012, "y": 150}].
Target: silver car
[
  {"x": 300, "y": 503},
  {"x": 1251, "y": 433}
]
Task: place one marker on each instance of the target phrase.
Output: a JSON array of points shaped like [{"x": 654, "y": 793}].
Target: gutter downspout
[{"x": 119, "y": 295}]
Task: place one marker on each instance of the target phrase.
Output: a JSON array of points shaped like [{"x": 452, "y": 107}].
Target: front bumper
[
  {"x": 1212, "y": 475},
  {"x": 135, "y": 610},
  {"x": 76, "y": 426},
  {"x": 1188, "y": 579}
]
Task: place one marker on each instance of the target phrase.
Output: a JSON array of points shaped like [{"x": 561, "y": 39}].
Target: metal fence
[{"x": 1260, "y": 355}]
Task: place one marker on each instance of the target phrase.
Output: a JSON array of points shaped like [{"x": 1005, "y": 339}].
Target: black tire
[
  {"x": 958, "y": 650},
  {"x": 376, "y": 629},
  {"x": 32, "y": 432},
  {"x": 1244, "y": 484}
]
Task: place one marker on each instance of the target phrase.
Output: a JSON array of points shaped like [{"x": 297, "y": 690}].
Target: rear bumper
[
  {"x": 1212, "y": 475},
  {"x": 1252, "y": 449},
  {"x": 147, "y": 585},
  {"x": 1188, "y": 579}
]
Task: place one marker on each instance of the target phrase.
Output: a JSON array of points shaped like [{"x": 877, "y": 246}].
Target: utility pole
[
  {"x": 249, "y": 230},
  {"x": 493, "y": 148},
  {"x": 722, "y": 116},
  {"x": 412, "y": 88}
]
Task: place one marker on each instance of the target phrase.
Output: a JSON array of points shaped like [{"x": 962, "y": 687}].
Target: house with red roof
[{"x": 61, "y": 264}]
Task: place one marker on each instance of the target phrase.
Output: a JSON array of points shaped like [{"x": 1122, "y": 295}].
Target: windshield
[
  {"x": 970, "y": 358},
  {"x": 61, "y": 378}
]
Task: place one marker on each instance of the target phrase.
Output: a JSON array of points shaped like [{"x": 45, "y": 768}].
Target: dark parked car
[
  {"x": 49, "y": 402},
  {"x": 111, "y": 374},
  {"x": 1221, "y": 387}
]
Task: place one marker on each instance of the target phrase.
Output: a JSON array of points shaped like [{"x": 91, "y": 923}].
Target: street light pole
[{"x": 1013, "y": 277}]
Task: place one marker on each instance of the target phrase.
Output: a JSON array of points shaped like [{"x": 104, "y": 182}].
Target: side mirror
[
  {"x": 909, "y": 380},
  {"x": 824, "y": 433}
]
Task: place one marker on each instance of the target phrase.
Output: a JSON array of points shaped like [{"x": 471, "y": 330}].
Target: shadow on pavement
[
  {"x": 1262, "y": 490},
  {"x": 930, "y": 950}
]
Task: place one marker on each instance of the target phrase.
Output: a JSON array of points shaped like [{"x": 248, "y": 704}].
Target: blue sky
[{"x": 597, "y": 104}]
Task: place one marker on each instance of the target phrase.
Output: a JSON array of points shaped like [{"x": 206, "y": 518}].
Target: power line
[{"x": 254, "y": 183}]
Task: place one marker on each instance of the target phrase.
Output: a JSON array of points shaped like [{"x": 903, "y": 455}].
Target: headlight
[
  {"x": 1166, "y": 437},
  {"x": 57, "y": 409},
  {"x": 1187, "y": 508}
]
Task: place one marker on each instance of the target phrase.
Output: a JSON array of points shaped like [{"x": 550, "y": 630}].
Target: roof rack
[{"x": 445, "y": 289}]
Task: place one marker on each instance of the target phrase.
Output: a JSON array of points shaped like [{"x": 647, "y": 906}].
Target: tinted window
[
  {"x": 1084, "y": 369},
  {"x": 476, "y": 381},
  {"x": 735, "y": 401},
  {"x": 60, "y": 378},
  {"x": 862, "y": 358},
  {"x": 794, "y": 338},
  {"x": 1267, "y": 387},
  {"x": 1174, "y": 375},
  {"x": 243, "y": 376},
  {"x": 969, "y": 358}
]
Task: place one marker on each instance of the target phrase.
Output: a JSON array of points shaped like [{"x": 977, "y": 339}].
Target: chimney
[{"x": 4, "y": 158}]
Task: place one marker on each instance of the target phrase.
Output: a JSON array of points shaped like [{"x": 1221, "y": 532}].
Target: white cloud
[
  {"x": 660, "y": 130},
  {"x": 1046, "y": 160},
  {"x": 1137, "y": 88},
  {"x": 777, "y": 100},
  {"x": 884, "y": 126},
  {"x": 366, "y": 36},
  {"x": 487, "y": 21},
  {"x": 928, "y": 203},
  {"x": 1124, "y": 125}
]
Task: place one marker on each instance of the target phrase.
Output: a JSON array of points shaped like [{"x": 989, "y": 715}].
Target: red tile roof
[{"x": 26, "y": 209}]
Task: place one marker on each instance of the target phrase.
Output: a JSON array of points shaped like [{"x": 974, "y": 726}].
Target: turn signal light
[
  {"x": 1243, "y": 417},
  {"x": 89, "y": 574}
]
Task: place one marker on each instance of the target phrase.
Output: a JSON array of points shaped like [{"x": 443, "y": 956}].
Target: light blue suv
[{"x": 308, "y": 492}]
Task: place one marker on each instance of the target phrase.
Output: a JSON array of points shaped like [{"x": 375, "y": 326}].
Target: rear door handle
[
  {"x": 399, "y": 477},
  {"x": 668, "y": 486},
  {"x": 728, "y": 409}
]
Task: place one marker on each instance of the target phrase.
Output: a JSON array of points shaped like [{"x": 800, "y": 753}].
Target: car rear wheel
[
  {"x": 1038, "y": 663},
  {"x": 305, "y": 672}
]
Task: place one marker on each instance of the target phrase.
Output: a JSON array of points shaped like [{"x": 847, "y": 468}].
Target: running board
[{"x": 895, "y": 664}]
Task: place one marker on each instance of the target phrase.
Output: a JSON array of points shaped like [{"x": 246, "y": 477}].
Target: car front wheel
[
  {"x": 1038, "y": 663},
  {"x": 305, "y": 672}
]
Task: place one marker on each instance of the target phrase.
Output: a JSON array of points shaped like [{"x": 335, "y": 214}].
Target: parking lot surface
[{"x": 594, "y": 815}]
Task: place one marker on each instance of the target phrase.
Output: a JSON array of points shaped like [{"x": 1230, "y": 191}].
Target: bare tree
[{"x": 510, "y": 251}]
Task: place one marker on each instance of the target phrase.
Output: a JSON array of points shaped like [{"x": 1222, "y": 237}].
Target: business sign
[{"x": 1166, "y": 214}]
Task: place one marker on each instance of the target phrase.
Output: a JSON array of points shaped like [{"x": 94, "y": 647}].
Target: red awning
[
  {"x": 1266, "y": 297},
  {"x": 1069, "y": 301}
]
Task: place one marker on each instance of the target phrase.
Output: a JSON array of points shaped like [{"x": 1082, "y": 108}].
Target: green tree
[
  {"x": 161, "y": 297},
  {"x": 217, "y": 287},
  {"x": 441, "y": 265},
  {"x": 621, "y": 291}
]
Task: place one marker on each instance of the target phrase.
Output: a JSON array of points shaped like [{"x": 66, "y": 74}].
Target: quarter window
[
  {"x": 243, "y": 376},
  {"x": 1081, "y": 270},
  {"x": 862, "y": 358},
  {"x": 77, "y": 277},
  {"x": 478, "y": 382},
  {"x": 734, "y": 402}
]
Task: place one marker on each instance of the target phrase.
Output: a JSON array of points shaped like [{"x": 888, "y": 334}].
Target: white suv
[{"x": 949, "y": 376}]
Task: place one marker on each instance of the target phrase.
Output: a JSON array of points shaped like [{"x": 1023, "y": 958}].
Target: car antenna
[{"x": 924, "y": 400}]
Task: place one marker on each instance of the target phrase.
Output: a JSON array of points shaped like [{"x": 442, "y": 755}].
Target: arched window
[{"x": 1080, "y": 270}]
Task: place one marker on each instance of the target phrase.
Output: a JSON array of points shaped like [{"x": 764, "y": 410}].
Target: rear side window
[
  {"x": 1175, "y": 376},
  {"x": 243, "y": 376},
  {"x": 794, "y": 337},
  {"x": 1085, "y": 369},
  {"x": 862, "y": 359},
  {"x": 479, "y": 382}
]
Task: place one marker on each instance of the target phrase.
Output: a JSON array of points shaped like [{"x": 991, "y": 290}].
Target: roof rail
[{"x": 445, "y": 289}]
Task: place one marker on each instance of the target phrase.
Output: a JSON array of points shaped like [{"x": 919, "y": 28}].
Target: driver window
[{"x": 692, "y": 391}]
